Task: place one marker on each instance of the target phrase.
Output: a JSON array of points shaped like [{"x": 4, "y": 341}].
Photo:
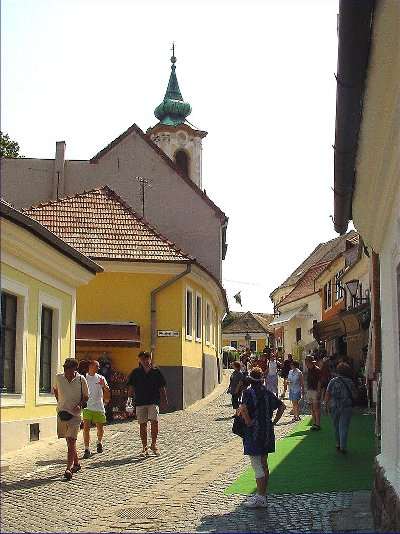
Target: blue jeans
[{"x": 341, "y": 422}]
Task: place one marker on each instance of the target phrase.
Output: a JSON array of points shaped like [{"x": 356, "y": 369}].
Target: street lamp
[{"x": 353, "y": 287}]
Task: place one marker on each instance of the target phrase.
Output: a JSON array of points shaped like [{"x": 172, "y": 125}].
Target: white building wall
[
  {"x": 389, "y": 458},
  {"x": 313, "y": 312}
]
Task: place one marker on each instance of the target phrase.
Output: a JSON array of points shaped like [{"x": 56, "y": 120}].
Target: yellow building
[
  {"x": 151, "y": 295},
  {"x": 39, "y": 277},
  {"x": 250, "y": 330}
]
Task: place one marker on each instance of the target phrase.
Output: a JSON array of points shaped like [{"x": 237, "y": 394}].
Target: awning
[
  {"x": 288, "y": 316},
  {"x": 110, "y": 334},
  {"x": 345, "y": 323}
]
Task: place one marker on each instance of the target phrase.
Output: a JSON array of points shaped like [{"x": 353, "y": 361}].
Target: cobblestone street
[{"x": 182, "y": 490}]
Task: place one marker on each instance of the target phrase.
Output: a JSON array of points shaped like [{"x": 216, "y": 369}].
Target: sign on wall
[{"x": 167, "y": 333}]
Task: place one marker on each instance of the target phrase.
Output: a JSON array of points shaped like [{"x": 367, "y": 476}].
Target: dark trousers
[{"x": 235, "y": 401}]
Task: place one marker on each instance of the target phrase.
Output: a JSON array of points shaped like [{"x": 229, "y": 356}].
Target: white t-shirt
[{"x": 95, "y": 401}]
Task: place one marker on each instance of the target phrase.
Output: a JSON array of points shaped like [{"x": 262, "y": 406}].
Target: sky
[{"x": 259, "y": 75}]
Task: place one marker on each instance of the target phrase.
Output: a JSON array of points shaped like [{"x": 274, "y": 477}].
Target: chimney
[{"x": 58, "y": 178}]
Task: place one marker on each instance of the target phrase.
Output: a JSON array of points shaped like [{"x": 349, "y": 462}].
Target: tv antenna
[{"x": 144, "y": 182}]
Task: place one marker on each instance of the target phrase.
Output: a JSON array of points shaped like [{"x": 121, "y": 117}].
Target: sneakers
[
  {"x": 315, "y": 427},
  {"x": 86, "y": 454},
  {"x": 99, "y": 447},
  {"x": 256, "y": 501}
]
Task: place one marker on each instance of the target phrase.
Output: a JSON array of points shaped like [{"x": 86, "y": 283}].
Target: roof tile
[{"x": 101, "y": 225}]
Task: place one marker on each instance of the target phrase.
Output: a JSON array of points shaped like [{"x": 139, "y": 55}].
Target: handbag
[
  {"x": 65, "y": 416},
  {"x": 238, "y": 426}
]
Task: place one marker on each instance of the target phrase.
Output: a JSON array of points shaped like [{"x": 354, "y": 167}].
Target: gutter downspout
[
  {"x": 354, "y": 32},
  {"x": 153, "y": 309}
]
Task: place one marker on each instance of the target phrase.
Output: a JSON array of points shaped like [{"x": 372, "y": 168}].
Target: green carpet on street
[{"x": 306, "y": 461}]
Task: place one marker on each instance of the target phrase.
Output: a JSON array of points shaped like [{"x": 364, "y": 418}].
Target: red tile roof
[
  {"x": 322, "y": 253},
  {"x": 306, "y": 285},
  {"x": 101, "y": 225}
]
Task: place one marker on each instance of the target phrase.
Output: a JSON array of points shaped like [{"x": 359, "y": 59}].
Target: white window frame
[
  {"x": 198, "y": 324},
  {"x": 56, "y": 305},
  {"x": 234, "y": 341},
  {"x": 189, "y": 336},
  {"x": 21, "y": 291},
  {"x": 207, "y": 323},
  {"x": 336, "y": 284},
  {"x": 253, "y": 341}
]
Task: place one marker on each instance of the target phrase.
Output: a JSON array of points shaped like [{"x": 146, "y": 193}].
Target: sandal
[
  {"x": 76, "y": 468},
  {"x": 145, "y": 452},
  {"x": 68, "y": 474},
  {"x": 155, "y": 450}
]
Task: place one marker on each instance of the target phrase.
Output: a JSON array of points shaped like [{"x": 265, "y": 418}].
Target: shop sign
[{"x": 167, "y": 333}]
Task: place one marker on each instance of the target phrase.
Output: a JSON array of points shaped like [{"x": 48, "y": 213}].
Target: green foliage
[
  {"x": 228, "y": 319},
  {"x": 8, "y": 147}
]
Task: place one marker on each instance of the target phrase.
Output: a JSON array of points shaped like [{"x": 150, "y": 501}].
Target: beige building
[
  {"x": 167, "y": 158},
  {"x": 297, "y": 301},
  {"x": 367, "y": 190}
]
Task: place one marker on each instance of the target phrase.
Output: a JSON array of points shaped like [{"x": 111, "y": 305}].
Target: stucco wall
[
  {"x": 314, "y": 310},
  {"x": 171, "y": 205},
  {"x": 389, "y": 458}
]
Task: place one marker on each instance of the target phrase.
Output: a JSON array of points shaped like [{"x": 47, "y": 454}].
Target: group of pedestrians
[
  {"x": 85, "y": 395},
  {"x": 255, "y": 399}
]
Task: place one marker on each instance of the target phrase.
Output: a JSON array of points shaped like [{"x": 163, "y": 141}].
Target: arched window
[{"x": 182, "y": 161}]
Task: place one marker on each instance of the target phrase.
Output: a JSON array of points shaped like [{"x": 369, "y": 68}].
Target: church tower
[{"x": 173, "y": 134}]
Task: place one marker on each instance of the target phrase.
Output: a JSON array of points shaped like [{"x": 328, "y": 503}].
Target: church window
[{"x": 182, "y": 161}]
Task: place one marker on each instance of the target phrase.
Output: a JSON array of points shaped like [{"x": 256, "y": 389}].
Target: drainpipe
[{"x": 153, "y": 309}]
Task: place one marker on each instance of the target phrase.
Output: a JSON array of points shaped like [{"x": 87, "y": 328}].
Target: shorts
[
  {"x": 68, "y": 429},
  {"x": 93, "y": 416},
  {"x": 256, "y": 464},
  {"x": 312, "y": 395},
  {"x": 294, "y": 395},
  {"x": 148, "y": 412}
]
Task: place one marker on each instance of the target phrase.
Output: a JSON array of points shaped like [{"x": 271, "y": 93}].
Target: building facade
[
  {"x": 249, "y": 330},
  {"x": 151, "y": 295},
  {"x": 372, "y": 201},
  {"x": 39, "y": 277}
]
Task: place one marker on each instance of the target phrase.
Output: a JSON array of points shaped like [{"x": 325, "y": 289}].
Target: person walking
[
  {"x": 94, "y": 413},
  {"x": 339, "y": 396},
  {"x": 257, "y": 408},
  {"x": 148, "y": 387},
  {"x": 271, "y": 374},
  {"x": 286, "y": 367},
  {"x": 313, "y": 395},
  {"x": 71, "y": 392},
  {"x": 235, "y": 385},
  {"x": 296, "y": 388}
]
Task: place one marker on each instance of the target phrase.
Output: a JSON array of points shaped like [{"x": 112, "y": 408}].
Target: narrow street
[{"x": 180, "y": 491}]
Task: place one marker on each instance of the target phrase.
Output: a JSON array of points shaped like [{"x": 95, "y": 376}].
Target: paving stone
[{"x": 199, "y": 458}]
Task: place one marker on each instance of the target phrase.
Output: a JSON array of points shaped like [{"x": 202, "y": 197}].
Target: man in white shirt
[
  {"x": 95, "y": 411},
  {"x": 71, "y": 392}
]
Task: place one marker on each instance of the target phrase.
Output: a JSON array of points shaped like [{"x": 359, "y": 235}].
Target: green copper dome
[{"x": 172, "y": 110}]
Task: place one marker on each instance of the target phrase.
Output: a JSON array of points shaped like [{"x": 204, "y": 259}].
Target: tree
[{"x": 8, "y": 147}]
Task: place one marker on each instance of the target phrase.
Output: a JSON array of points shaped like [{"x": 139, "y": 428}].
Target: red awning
[{"x": 110, "y": 334}]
